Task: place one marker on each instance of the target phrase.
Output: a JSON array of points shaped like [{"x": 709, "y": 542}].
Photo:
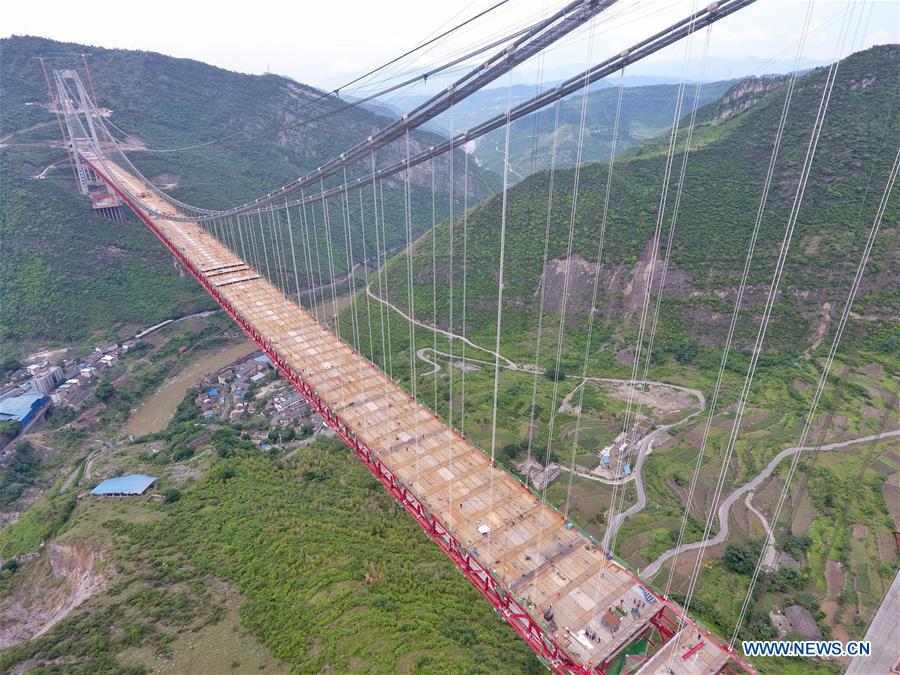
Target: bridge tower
[{"x": 80, "y": 133}]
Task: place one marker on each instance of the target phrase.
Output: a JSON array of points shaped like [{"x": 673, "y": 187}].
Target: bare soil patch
[
  {"x": 53, "y": 585},
  {"x": 892, "y": 498}
]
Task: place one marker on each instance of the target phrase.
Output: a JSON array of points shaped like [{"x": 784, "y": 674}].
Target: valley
[{"x": 663, "y": 349}]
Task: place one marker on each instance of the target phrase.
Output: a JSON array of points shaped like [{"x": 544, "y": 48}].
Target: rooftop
[
  {"x": 803, "y": 622},
  {"x": 18, "y": 407},
  {"x": 134, "y": 484}
]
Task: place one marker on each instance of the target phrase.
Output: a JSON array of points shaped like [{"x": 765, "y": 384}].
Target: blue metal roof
[
  {"x": 262, "y": 358},
  {"x": 135, "y": 484},
  {"x": 19, "y": 407}
]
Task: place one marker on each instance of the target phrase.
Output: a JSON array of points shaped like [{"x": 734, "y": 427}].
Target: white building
[
  {"x": 46, "y": 379},
  {"x": 109, "y": 360}
]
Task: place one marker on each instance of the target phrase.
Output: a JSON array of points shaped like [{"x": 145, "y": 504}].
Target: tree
[
  {"x": 171, "y": 494},
  {"x": 9, "y": 428},
  {"x": 10, "y": 364},
  {"x": 788, "y": 578},
  {"x": 555, "y": 375},
  {"x": 105, "y": 391},
  {"x": 797, "y": 545},
  {"x": 740, "y": 559},
  {"x": 686, "y": 351}
]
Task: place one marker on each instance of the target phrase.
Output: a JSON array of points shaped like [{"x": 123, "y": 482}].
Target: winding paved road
[
  {"x": 452, "y": 336},
  {"x": 771, "y": 555},
  {"x": 729, "y": 501},
  {"x": 422, "y": 356}
]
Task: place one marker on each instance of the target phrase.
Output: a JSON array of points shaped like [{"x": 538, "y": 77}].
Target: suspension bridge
[{"x": 578, "y": 606}]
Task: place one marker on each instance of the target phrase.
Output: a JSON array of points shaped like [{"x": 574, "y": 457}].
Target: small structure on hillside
[
  {"x": 133, "y": 484},
  {"x": 542, "y": 479},
  {"x": 803, "y": 622},
  {"x": 783, "y": 559},
  {"x": 45, "y": 379},
  {"x": 529, "y": 466},
  {"x": 23, "y": 408},
  {"x": 535, "y": 472},
  {"x": 780, "y": 623},
  {"x": 641, "y": 429}
]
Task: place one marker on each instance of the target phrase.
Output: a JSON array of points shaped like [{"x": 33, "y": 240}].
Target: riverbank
[{"x": 157, "y": 410}]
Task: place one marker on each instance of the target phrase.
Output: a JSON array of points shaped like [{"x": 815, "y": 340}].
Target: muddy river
[{"x": 157, "y": 410}]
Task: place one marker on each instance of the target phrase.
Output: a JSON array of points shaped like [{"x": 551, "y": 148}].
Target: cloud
[{"x": 878, "y": 37}]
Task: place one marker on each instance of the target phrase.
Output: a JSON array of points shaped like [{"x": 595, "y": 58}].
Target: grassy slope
[{"x": 330, "y": 572}]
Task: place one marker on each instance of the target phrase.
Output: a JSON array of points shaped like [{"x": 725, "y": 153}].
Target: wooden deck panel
[{"x": 528, "y": 548}]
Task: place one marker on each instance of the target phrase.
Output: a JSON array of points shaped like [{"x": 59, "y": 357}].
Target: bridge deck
[
  {"x": 528, "y": 548},
  {"x": 683, "y": 655}
]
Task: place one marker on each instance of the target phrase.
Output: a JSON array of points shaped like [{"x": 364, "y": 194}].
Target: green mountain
[
  {"x": 67, "y": 274},
  {"x": 646, "y": 112},
  {"x": 722, "y": 187}
]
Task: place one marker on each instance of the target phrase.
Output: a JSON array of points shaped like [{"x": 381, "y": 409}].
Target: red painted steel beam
[{"x": 693, "y": 650}]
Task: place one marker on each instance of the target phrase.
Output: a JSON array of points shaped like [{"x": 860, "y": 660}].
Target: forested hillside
[
  {"x": 722, "y": 187},
  {"x": 54, "y": 247},
  {"x": 646, "y": 111}
]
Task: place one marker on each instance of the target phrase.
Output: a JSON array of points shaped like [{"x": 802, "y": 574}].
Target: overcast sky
[{"x": 328, "y": 43}]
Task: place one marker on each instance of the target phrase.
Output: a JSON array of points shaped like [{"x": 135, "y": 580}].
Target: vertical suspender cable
[
  {"x": 411, "y": 297},
  {"x": 591, "y": 310},
  {"x": 348, "y": 243},
  {"x": 244, "y": 250},
  {"x": 767, "y": 312},
  {"x": 380, "y": 272},
  {"x": 823, "y": 380},
  {"x": 500, "y": 282},
  {"x": 434, "y": 318},
  {"x": 307, "y": 263},
  {"x": 251, "y": 233},
  {"x": 312, "y": 243},
  {"x": 501, "y": 277},
  {"x": 540, "y": 329},
  {"x": 290, "y": 230},
  {"x": 450, "y": 364},
  {"x": 282, "y": 259},
  {"x": 365, "y": 264},
  {"x": 332, "y": 281},
  {"x": 713, "y": 405},
  {"x": 465, "y": 267},
  {"x": 390, "y": 356},
  {"x": 278, "y": 270},
  {"x": 262, "y": 241}
]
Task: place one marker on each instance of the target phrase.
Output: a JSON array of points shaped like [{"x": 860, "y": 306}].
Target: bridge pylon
[{"x": 82, "y": 134}]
